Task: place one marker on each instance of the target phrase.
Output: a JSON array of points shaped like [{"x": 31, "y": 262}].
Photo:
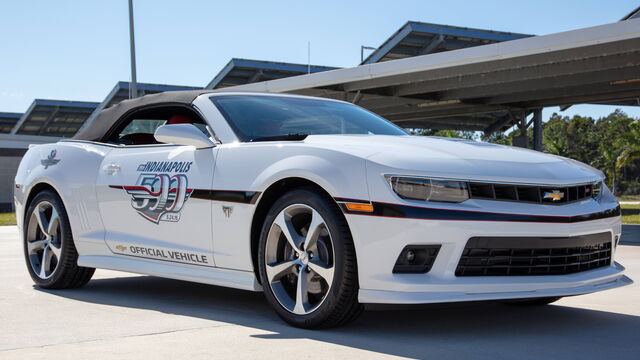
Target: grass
[
  {"x": 629, "y": 198},
  {"x": 7, "y": 219},
  {"x": 630, "y": 214}
]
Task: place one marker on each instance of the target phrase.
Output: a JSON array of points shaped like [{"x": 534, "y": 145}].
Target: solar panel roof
[
  {"x": 8, "y": 120},
  {"x": 418, "y": 38},
  {"x": 244, "y": 71},
  {"x": 57, "y": 118}
]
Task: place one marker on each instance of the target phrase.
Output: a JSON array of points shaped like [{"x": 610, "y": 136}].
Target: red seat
[{"x": 179, "y": 119}]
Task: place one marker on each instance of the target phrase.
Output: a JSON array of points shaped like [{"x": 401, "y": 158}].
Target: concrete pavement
[{"x": 121, "y": 315}]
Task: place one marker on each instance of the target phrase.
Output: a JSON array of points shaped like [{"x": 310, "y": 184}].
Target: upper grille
[
  {"x": 520, "y": 256},
  {"x": 529, "y": 193}
]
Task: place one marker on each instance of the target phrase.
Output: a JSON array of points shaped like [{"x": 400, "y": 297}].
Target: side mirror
[{"x": 183, "y": 134}]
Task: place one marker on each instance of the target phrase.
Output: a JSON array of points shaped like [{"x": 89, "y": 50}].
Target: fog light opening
[{"x": 416, "y": 259}]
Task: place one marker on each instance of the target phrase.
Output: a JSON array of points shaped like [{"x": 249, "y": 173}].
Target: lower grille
[{"x": 521, "y": 256}]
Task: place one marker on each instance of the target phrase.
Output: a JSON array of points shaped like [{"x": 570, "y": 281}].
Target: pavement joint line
[{"x": 135, "y": 335}]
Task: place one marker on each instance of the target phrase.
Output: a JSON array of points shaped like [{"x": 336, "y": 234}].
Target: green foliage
[
  {"x": 611, "y": 144},
  {"x": 471, "y": 135},
  {"x": 629, "y": 142},
  {"x": 630, "y": 214}
]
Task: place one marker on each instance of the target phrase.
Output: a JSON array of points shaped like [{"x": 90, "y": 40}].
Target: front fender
[{"x": 338, "y": 181}]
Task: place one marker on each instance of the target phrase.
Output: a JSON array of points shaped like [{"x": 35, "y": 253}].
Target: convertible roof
[{"x": 107, "y": 117}]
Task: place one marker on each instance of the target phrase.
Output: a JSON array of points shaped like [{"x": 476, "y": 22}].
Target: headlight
[{"x": 414, "y": 188}]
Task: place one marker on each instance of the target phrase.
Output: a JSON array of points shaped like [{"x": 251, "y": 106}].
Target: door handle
[{"x": 111, "y": 169}]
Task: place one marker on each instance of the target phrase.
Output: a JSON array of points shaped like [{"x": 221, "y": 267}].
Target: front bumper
[{"x": 379, "y": 240}]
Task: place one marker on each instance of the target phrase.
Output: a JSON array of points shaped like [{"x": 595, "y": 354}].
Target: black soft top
[{"x": 97, "y": 128}]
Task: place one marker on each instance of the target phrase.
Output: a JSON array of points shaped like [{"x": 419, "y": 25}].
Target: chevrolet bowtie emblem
[
  {"x": 555, "y": 195},
  {"x": 121, "y": 248}
]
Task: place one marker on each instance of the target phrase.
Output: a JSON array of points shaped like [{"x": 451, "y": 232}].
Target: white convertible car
[{"x": 321, "y": 204}]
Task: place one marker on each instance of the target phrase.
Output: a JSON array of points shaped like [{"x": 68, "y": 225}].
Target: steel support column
[
  {"x": 134, "y": 82},
  {"x": 521, "y": 140},
  {"x": 537, "y": 129}
]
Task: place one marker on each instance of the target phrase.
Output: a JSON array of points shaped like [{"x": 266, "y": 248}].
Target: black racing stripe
[
  {"x": 414, "y": 212},
  {"x": 244, "y": 197},
  {"x": 116, "y": 187},
  {"x": 338, "y": 199}
]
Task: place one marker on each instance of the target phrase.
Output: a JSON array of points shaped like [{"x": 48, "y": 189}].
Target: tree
[
  {"x": 554, "y": 135},
  {"x": 609, "y": 167},
  {"x": 610, "y": 143},
  {"x": 630, "y": 143}
]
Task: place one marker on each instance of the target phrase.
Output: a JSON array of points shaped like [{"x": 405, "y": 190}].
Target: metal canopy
[
  {"x": 54, "y": 118},
  {"x": 8, "y": 120},
  {"x": 244, "y": 71},
  {"x": 635, "y": 14},
  {"x": 121, "y": 92},
  {"x": 489, "y": 87},
  {"x": 417, "y": 38}
]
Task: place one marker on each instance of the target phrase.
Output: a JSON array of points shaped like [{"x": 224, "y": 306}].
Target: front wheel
[
  {"x": 307, "y": 261},
  {"x": 49, "y": 250}
]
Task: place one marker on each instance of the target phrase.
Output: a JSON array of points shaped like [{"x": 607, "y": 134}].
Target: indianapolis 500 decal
[{"x": 159, "y": 197}]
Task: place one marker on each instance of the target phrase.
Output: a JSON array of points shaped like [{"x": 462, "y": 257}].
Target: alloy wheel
[
  {"x": 44, "y": 245},
  {"x": 299, "y": 259}
]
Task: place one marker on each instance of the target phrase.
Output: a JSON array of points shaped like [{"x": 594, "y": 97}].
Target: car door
[{"x": 148, "y": 200}]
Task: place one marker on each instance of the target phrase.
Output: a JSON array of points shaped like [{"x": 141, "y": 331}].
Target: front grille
[
  {"x": 530, "y": 193},
  {"x": 521, "y": 256}
]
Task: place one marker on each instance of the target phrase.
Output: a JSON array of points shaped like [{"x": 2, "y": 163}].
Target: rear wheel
[
  {"x": 307, "y": 261},
  {"x": 49, "y": 250}
]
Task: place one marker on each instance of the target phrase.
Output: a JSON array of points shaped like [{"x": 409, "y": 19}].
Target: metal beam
[
  {"x": 256, "y": 77},
  {"x": 574, "y": 95},
  {"x": 543, "y": 73},
  {"x": 458, "y": 120},
  {"x": 454, "y": 110},
  {"x": 457, "y": 66},
  {"x": 423, "y": 124},
  {"x": 464, "y": 32},
  {"x": 432, "y": 45},
  {"x": 388, "y": 45},
  {"x": 537, "y": 129},
  {"x": 500, "y": 123},
  {"x": 603, "y": 77}
]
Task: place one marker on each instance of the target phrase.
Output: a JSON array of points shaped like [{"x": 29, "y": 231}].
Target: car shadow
[
  {"x": 479, "y": 330},
  {"x": 630, "y": 235}
]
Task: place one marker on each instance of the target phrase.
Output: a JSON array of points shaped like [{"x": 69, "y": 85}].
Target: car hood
[{"x": 457, "y": 158}]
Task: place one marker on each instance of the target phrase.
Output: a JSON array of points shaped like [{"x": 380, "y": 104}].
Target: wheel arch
[
  {"x": 266, "y": 201},
  {"x": 35, "y": 190}
]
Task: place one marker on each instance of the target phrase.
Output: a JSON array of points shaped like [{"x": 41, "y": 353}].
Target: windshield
[{"x": 255, "y": 118}]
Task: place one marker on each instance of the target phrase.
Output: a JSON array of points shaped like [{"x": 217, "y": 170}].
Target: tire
[
  {"x": 55, "y": 243},
  {"x": 328, "y": 253},
  {"x": 534, "y": 301}
]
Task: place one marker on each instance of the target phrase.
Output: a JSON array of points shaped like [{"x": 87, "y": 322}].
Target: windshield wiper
[{"x": 287, "y": 137}]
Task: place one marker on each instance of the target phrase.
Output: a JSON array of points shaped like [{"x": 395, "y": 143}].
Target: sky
[{"x": 78, "y": 50}]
